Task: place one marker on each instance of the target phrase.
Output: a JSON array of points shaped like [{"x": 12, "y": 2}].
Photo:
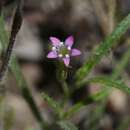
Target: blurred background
[{"x": 89, "y": 21}]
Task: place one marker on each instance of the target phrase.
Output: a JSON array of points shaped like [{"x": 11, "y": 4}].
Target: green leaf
[
  {"x": 107, "y": 81},
  {"x": 74, "y": 109},
  {"x": 116, "y": 73},
  {"x": 67, "y": 125},
  {"x": 102, "y": 50},
  {"x": 99, "y": 95},
  {"x": 53, "y": 104}
]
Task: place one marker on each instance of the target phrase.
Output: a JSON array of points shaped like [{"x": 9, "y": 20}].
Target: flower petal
[
  {"x": 66, "y": 61},
  {"x": 69, "y": 41},
  {"x": 75, "y": 52},
  {"x": 55, "y": 41},
  {"x": 52, "y": 54}
]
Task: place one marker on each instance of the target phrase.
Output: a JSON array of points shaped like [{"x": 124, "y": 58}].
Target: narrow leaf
[
  {"x": 99, "y": 95},
  {"x": 53, "y": 104},
  {"x": 74, "y": 109},
  {"x": 102, "y": 50},
  {"x": 67, "y": 125},
  {"x": 107, "y": 81}
]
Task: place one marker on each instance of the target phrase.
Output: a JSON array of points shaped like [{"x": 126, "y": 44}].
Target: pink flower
[{"x": 63, "y": 50}]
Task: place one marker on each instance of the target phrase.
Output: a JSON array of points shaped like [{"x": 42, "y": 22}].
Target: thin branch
[{"x": 17, "y": 22}]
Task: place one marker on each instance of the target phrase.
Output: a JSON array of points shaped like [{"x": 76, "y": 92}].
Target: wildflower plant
[{"x": 63, "y": 51}]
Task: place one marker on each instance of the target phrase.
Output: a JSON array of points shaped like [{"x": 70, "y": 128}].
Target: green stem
[
  {"x": 65, "y": 89},
  {"x": 26, "y": 92},
  {"x": 62, "y": 73}
]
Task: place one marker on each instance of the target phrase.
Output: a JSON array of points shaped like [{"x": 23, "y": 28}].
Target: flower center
[{"x": 63, "y": 50}]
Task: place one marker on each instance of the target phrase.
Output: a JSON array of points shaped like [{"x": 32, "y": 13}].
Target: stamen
[
  {"x": 61, "y": 43},
  {"x": 53, "y": 48},
  {"x": 67, "y": 56},
  {"x": 69, "y": 48},
  {"x": 60, "y": 55}
]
